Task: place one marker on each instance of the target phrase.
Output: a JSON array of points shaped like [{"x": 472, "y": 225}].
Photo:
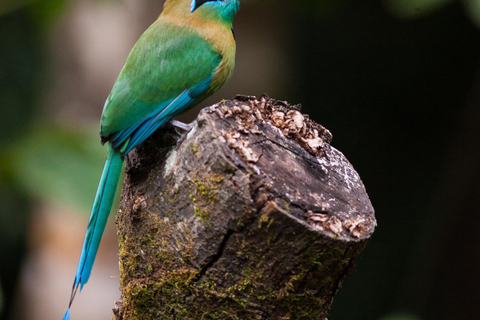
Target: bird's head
[
  {"x": 213, "y": 10},
  {"x": 216, "y": 9}
]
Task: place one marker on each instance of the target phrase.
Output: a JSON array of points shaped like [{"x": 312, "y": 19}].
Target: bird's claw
[{"x": 182, "y": 128}]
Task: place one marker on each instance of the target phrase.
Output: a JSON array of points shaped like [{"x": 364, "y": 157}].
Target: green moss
[
  {"x": 287, "y": 207},
  {"x": 265, "y": 220},
  {"x": 314, "y": 259},
  {"x": 171, "y": 197},
  {"x": 204, "y": 194},
  {"x": 289, "y": 285},
  {"x": 338, "y": 250},
  {"x": 202, "y": 215}
]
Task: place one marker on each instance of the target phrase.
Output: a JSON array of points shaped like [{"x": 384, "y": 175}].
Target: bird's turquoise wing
[{"x": 157, "y": 82}]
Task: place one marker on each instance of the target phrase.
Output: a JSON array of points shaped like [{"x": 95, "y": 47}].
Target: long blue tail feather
[
  {"x": 98, "y": 219},
  {"x": 66, "y": 316}
]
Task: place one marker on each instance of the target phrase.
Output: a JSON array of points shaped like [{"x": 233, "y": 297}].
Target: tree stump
[{"x": 251, "y": 215}]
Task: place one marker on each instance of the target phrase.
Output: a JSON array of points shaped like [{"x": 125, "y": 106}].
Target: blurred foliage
[
  {"x": 401, "y": 316},
  {"x": 401, "y": 9},
  {"x": 46, "y": 162},
  {"x": 56, "y": 164},
  {"x": 7, "y": 6},
  {"x": 320, "y": 8},
  {"x": 414, "y": 8},
  {"x": 473, "y": 10},
  {"x": 409, "y": 9},
  {"x": 45, "y": 12},
  {"x": 42, "y": 11},
  {"x": 21, "y": 67}
]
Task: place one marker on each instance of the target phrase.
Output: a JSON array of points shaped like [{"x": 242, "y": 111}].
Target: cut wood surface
[{"x": 250, "y": 215}]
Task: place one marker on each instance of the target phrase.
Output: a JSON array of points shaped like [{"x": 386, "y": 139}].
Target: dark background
[{"x": 399, "y": 90}]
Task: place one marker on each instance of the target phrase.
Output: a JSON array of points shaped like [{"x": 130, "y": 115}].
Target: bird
[{"x": 186, "y": 55}]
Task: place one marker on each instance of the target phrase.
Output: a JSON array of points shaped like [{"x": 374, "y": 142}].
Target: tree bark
[{"x": 251, "y": 215}]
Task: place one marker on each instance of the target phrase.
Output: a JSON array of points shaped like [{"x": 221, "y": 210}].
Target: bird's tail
[{"x": 98, "y": 219}]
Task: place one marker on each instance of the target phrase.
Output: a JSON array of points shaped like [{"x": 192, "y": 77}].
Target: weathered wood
[{"x": 252, "y": 215}]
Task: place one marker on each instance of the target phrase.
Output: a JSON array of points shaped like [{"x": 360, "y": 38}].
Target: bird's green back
[{"x": 155, "y": 74}]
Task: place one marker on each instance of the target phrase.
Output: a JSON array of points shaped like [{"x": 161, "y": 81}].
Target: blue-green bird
[{"x": 182, "y": 58}]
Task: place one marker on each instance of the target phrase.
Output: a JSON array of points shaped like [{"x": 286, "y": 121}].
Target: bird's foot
[{"x": 184, "y": 128}]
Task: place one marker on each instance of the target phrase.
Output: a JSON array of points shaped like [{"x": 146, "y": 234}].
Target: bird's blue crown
[{"x": 225, "y": 8}]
